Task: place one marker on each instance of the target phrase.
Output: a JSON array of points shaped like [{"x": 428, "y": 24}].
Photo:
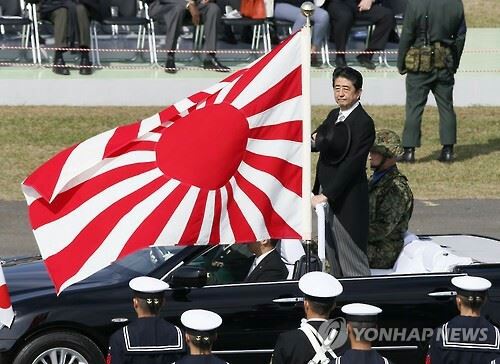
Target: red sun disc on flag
[
  {"x": 4, "y": 297},
  {"x": 210, "y": 142}
]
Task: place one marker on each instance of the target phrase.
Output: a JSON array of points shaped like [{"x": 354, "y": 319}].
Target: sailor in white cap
[
  {"x": 149, "y": 339},
  {"x": 469, "y": 337},
  {"x": 317, "y": 336},
  {"x": 361, "y": 323},
  {"x": 201, "y": 333}
]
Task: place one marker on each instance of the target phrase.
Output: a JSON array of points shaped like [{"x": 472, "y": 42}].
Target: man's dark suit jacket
[
  {"x": 271, "y": 268},
  {"x": 345, "y": 184}
]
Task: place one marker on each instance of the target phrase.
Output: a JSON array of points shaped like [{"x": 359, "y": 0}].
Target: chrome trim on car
[
  {"x": 392, "y": 348},
  {"x": 269, "y": 351},
  {"x": 442, "y": 294},
  {"x": 289, "y": 300},
  {"x": 250, "y": 351}
]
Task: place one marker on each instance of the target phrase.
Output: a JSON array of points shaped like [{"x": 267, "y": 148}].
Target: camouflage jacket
[{"x": 390, "y": 209}]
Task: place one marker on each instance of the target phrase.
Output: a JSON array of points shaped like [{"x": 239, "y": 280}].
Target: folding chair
[
  {"x": 288, "y": 25},
  {"x": 18, "y": 13},
  {"x": 260, "y": 29},
  {"x": 128, "y": 13}
]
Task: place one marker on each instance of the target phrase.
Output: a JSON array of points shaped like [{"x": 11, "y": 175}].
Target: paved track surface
[{"x": 479, "y": 217}]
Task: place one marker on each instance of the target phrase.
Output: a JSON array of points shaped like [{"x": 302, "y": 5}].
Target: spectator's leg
[
  {"x": 172, "y": 18},
  {"x": 83, "y": 25},
  {"x": 290, "y": 13},
  {"x": 383, "y": 18},
  {"x": 211, "y": 17},
  {"x": 321, "y": 21},
  {"x": 443, "y": 93},
  {"x": 417, "y": 89},
  {"x": 59, "y": 18},
  {"x": 342, "y": 18},
  {"x": 83, "y": 17}
]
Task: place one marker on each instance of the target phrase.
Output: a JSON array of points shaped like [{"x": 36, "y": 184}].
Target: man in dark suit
[
  {"x": 343, "y": 13},
  {"x": 344, "y": 140},
  {"x": 171, "y": 14},
  {"x": 267, "y": 265}
]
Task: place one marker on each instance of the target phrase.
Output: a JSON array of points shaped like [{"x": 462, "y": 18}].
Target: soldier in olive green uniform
[
  {"x": 390, "y": 201},
  {"x": 430, "y": 48}
]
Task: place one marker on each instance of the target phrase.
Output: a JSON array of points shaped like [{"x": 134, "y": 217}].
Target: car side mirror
[{"x": 188, "y": 277}]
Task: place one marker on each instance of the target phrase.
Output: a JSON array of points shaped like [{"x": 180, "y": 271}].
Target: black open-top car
[{"x": 415, "y": 296}]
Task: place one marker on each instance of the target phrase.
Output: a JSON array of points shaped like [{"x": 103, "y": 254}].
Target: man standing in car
[
  {"x": 312, "y": 342},
  {"x": 150, "y": 339},
  {"x": 344, "y": 140}
]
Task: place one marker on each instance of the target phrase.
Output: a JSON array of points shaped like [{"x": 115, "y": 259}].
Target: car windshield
[{"x": 145, "y": 260}]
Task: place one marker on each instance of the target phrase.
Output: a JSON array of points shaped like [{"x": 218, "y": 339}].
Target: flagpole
[{"x": 307, "y": 9}]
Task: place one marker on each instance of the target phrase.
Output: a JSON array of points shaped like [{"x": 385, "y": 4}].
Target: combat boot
[
  {"x": 408, "y": 156},
  {"x": 446, "y": 155}
]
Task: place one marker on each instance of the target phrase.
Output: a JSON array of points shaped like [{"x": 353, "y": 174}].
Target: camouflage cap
[{"x": 387, "y": 143}]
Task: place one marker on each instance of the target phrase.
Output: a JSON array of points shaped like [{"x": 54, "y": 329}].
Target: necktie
[
  {"x": 341, "y": 117},
  {"x": 252, "y": 267}
]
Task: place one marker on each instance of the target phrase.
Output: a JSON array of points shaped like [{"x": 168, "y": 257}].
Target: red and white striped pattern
[
  {"x": 223, "y": 165},
  {"x": 6, "y": 311}
]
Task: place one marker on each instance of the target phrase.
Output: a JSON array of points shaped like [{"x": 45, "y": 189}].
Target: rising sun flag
[
  {"x": 6, "y": 311},
  {"x": 223, "y": 165}
]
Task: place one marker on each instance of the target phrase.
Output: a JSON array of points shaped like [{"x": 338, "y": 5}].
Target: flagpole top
[{"x": 307, "y": 9}]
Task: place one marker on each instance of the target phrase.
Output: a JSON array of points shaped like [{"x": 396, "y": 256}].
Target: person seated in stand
[
  {"x": 361, "y": 320},
  {"x": 290, "y": 10},
  {"x": 343, "y": 14},
  {"x": 71, "y": 19},
  {"x": 172, "y": 12},
  {"x": 201, "y": 333},
  {"x": 267, "y": 265},
  {"x": 390, "y": 201}
]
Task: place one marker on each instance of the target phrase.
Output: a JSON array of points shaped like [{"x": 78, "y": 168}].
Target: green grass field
[
  {"x": 482, "y": 13},
  {"x": 31, "y": 135}
]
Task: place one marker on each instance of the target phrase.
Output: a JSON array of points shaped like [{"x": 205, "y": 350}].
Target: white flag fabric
[{"x": 6, "y": 311}]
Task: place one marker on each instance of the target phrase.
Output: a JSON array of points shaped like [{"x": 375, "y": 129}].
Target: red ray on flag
[
  {"x": 223, "y": 165},
  {"x": 6, "y": 311}
]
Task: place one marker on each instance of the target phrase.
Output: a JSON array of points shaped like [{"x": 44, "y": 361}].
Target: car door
[
  {"x": 253, "y": 313},
  {"x": 413, "y": 305}
]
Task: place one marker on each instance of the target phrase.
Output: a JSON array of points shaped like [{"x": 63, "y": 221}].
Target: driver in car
[{"x": 149, "y": 339}]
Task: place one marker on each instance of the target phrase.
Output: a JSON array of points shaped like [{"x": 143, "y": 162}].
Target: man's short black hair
[
  {"x": 323, "y": 307},
  {"x": 349, "y": 73}
]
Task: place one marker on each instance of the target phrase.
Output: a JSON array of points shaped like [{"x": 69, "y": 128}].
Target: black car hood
[{"x": 29, "y": 276}]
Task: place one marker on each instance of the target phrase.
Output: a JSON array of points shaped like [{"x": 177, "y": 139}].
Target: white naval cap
[
  {"x": 468, "y": 284},
  {"x": 361, "y": 312},
  {"x": 201, "y": 320},
  {"x": 320, "y": 285},
  {"x": 148, "y": 285}
]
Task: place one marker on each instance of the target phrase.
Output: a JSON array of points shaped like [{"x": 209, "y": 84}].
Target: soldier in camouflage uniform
[
  {"x": 390, "y": 201},
  {"x": 430, "y": 49}
]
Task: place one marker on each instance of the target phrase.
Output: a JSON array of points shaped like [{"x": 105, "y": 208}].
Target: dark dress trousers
[
  {"x": 361, "y": 357},
  {"x": 464, "y": 340},
  {"x": 200, "y": 359},
  {"x": 345, "y": 184},
  {"x": 149, "y": 340},
  {"x": 270, "y": 269},
  {"x": 343, "y": 13}
]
